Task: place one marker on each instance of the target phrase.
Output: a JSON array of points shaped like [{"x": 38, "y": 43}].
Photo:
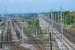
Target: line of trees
[{"x": 69, "y": 17}]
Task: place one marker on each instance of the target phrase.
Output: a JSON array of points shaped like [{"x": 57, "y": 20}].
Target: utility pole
[
  {"x": 62, "y": 27},
  {"x": 50, "y": 31},
  {"x": 22, "y": 32},
  {"x": 1, "y": 39}
]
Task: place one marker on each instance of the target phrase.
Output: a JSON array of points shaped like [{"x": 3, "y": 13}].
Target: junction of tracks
[{"x": 12, "y": 37}]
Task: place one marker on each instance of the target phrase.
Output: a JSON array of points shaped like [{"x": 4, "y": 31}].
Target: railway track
[
  {"x": 12, "y": 33},
  {"x": 70, "y": 35},
  {"x": 32, "y": 39}
]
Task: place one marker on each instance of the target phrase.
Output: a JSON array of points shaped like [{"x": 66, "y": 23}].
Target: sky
[{"x": 31, "y": 6}]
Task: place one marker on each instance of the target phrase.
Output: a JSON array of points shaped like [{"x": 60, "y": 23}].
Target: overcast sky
[{"x": 28, "y": 6}]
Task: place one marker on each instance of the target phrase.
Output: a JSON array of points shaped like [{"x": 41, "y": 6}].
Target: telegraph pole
[
  {"x": 62, "y": 27},
  {"x": 22, "y": 33},
  {"x": 50, "y": 31}
]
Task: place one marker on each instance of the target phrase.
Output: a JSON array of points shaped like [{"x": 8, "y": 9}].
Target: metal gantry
[{"x": 56, "y": 20}]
